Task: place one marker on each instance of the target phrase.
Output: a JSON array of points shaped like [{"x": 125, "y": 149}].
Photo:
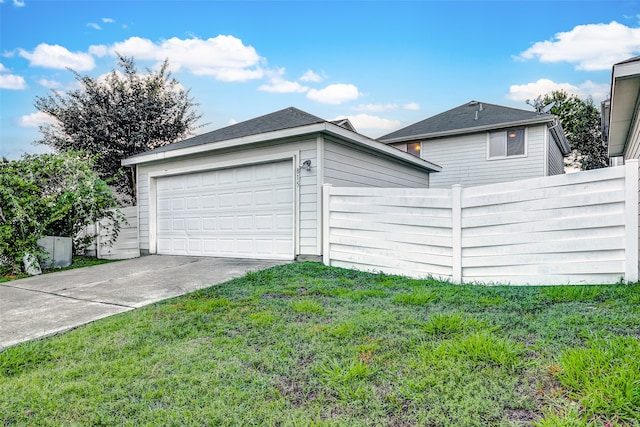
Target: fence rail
[{"x": 579, "y": 228}]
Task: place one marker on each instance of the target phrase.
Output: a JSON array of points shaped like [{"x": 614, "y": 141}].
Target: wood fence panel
[
  {"x": 126, "y": 245},
  {"x": 390, "y": 230},
  {"x": 579, "y": 228}
]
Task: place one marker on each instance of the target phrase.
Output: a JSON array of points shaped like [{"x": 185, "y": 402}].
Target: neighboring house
[
  {"x": 479, "y": 143},
  {"x": 624, "y": 115},
  {"x": 253, "y": 189}
]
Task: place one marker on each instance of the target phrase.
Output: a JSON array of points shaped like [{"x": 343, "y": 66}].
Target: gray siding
[
  {"x": 556, "y": 160},
  {"x": 633, "y": 144},
  {"x": 308, "y": 243},
  {"x": 346, "y": 166},
  {"x": 464, "y": 160}
]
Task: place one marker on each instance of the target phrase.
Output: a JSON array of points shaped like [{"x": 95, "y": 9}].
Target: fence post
[
  {"x": 456, "y": 232},
  {"x": 98, "y": 231},
  {"x": 326, "y": 194},
  {"x": 631, "y": 220}
]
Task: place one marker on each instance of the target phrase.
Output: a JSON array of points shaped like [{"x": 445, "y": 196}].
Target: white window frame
[{"x": 519, "y": 156}]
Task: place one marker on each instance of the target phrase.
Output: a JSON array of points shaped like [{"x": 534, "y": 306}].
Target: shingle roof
[
  {"x": 466, "y": 117},
  {"x": 284, "y": 119},
  {"x": 626, "y": 61}
]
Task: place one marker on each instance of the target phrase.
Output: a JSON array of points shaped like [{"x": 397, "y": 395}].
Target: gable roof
[
  {"x": 289, "y": 122},
  {"x": 284, "y": 119},
  {"x": 473, "y": 116}
]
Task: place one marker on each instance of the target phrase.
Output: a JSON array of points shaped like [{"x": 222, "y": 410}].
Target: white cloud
[
  {"x": 311, "y": 77},
  {"x": 375, "y": 108},
  {"x": 3, "y": 69},
  {"x": 278, "y": 85},
  {"x": 544, "y": 86},
  {"x": 18, "y": 3},
  {"x": 225, "y": 58},
  {"x": 231, "y": 122},
  {"x": 98, "y": 50},
  {"x": 413, "y": 106},
  {"x": 51, "y": 84},
  {"x": 94, "y": 26},
  {"x": 56, "y": 56},
  {"x": 592, "y": 47},
  {"x": 12, "y": 81},
  {"x": 35, "y": 119},
  {"x": 108, "y": 20},
  {"x": 367, "y": 121},
  {"x": 334, "y": 94}
]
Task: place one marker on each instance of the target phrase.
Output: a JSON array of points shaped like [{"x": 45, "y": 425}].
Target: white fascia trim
[
  {"x": 626, "y": 69},
  {"x": 468, "y": 130},
  {"x": 252, "y": 160},
  {"x": 285, "y": 133},
  {"x": 630, "y": 70}
]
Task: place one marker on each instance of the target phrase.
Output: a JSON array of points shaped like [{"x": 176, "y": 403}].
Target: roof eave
[
  {"x": 561, "y": 138},
  {"x": 324, "y": 127},
  {"x": 626, "y": 73},
  {"x": 453, "y": 132}
]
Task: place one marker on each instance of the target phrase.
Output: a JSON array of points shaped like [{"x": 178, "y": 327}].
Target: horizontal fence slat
[
  {"x": 559, "y": 247},
  {"x": 408, "y": 251},
  {"x": 566, "y": 259}
]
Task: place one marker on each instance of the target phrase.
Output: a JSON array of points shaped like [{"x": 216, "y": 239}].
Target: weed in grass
[
  {"x": 452, "y": 323},
  {"x": 483, "y": 347},
  {"x": 262, "y": 318},
  {"x": 307, "y": 306},
  {"x": 566, "y": 418},
  {"x": 604, "y": 376},
  {"x": 347, "y": 378},
  {"x": 573, "y": 293},
  {"x": 417, "y": 297}
]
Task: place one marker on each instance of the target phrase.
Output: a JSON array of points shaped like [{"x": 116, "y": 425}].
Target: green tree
[
  {"x": 580, "y": 120},
  {"x": 50, "y": 194},
  {"x": 123, "y": 114}
]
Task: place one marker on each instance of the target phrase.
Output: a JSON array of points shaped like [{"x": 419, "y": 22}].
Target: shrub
[{"x": 50, "y": 194}]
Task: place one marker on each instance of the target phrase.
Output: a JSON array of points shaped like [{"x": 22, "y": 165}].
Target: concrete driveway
[{"x": 43, "y": 305}]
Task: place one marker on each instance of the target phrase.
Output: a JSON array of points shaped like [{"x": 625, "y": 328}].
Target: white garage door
[{"x": 243, "y": 212}]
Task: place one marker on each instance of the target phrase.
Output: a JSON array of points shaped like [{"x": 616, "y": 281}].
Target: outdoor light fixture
[{"x": 307, "y": 165}]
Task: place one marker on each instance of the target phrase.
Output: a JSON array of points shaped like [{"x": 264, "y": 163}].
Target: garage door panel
[
  {"x": 225, "y": 176},
  {"x": 226, "y": 200},
  {"x": 193, "y": 203},
  {"x": 195, "y": 245},
  {"x": 283, "y": 197},
  {"x": 240, "y": 212},
  {"x": 194, "y": 224},
  {"x": 209, "y": 224},
  {"x": 208, "y": 202},
  {"x": 193, "y": 180}
]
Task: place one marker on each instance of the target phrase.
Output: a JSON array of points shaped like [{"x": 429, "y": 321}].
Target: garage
[
  {"x": 254, "y": 189},
  {"x": 242, "y": 212}
]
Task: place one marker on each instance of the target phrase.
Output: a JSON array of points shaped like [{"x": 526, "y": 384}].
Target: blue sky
[{"x": 382, "y": 64}]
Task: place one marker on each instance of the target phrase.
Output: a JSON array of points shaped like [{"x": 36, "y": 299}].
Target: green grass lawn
[{"x": 309, "y": 345}]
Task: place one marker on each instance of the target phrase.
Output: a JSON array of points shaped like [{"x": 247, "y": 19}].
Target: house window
[
  {"x": 414, "y": 148},
  {"x": 507, "y": 143}
]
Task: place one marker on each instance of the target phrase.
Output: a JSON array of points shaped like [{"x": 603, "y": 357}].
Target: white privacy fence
[
  {"x": 126, "y": 245},
  {"x": 569, "y": 229}
]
